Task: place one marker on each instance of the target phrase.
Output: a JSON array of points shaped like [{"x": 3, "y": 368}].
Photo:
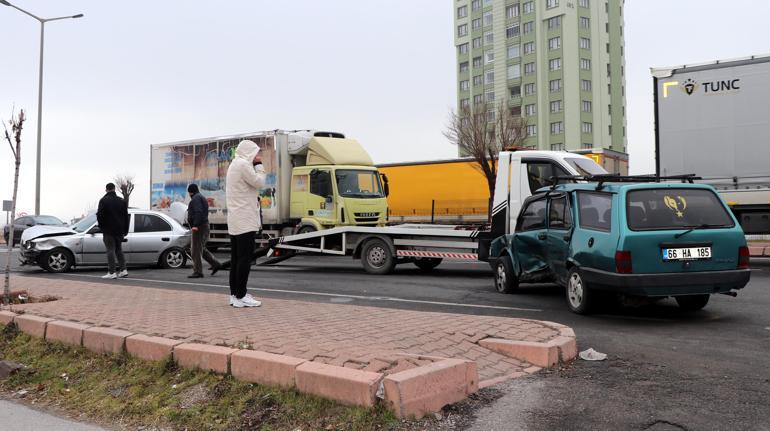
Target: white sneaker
[
  {"x": 123, "y": 274},
  {"x": 232, "y": 299},
  {"x": 110, "y": 276},
  {"x": 250, "y": 301},
  {"x": 237, "y": 303}
]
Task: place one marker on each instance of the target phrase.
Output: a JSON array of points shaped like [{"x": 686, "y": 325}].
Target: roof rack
[{"x": 614, "y": 178}]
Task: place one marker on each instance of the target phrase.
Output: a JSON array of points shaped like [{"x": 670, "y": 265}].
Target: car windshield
[
  {"x": 48, "y": 220},
  {"x": 359, "y": 184},
  {"x": 84, "y": 224},
  {"x": 585, "y": 166},
  {"x": 671, "y": 208}
]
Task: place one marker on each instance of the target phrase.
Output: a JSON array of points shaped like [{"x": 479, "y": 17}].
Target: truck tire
[
  {"x": 377, "y": 258},
  {"x": 505, "y": 280},
  {"x": 692, "y": 302},
  {"x": 57, "y": 260},
  {"x": 581, "y": 298},
  {"x": 427, "y": 263}
]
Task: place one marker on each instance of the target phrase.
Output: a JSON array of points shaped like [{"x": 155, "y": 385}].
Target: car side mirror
[
  {"x": 329, "y": 199},
  {"x": 30, "y": 224},
  {"x": 94, "y": 230}
]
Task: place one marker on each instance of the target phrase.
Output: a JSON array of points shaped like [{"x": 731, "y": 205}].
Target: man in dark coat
[
  {"x": 112, "y": 216},
  {"x": 198, "y": 219}
]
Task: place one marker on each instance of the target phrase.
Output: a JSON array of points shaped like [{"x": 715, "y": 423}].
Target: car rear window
[{"x": 660, "y": 209}]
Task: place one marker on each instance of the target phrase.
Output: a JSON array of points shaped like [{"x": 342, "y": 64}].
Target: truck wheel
[
  {"x": 377, "y": 258},
  {"x": 57, "y": 260},
  {"x": 580, "y": 298},
  {"x": 173, "y": 258},
  {"x": 308, "y": 229},
  {"x": 505, "y": 279},
  {"x": 427, "y": 263},
  {"x": 692, "y": 302}
]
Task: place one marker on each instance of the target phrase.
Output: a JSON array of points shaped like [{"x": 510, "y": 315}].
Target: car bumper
[
  {"x": 687, "y": 283},
  {"x": 29, "y": 257}
]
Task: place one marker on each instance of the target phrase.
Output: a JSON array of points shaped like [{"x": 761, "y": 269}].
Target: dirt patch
[{"x": 194, "y": 395}]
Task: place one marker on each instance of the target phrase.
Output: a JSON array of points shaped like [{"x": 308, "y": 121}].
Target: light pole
[{"x": 42, "y": 22}]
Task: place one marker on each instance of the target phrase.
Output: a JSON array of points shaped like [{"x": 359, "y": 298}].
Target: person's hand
[{"x": 195, "y": 229}]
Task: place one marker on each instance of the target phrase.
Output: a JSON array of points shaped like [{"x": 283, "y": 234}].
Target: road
[
  {"x": 18, "y": 417},
  {"x": 666, "y": 369}
]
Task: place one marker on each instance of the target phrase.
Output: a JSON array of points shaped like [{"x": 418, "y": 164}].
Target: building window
[
  {"x": 587, "y": 127},
  {"x": 554, "y": 22},
  {"x": 462, "y": 48},
  {"x": 487, "y": 2},
  {"x": 516, "y": 111},
  {"x": 554, "y": 64},
  {"x": 489, "y": 57},
  {"x": 464, "y": 103},
  {"x": 512, "y": 30},
  {"x": 585, "y": 64},
  {"x": 557, "y": 147},
  {"x": 464, "y": 85},
  {"x": 529, "y": 7},
  {"x": 532, "y": 130},
  {"x": 516, "y": 91},
  {"x": 514, "y": 51},
  {"x": 462, "y": 30},
  {"x": 490, "y": 116},
  {"x": 478, "y": 99},
  {"x": 529, "y": 48},
  {"x": 490, "y": 96},
  {"x": 609, "y": 88},
  {"x": 610, "y": 129},
  {"x": 529, "y": 27},
  {"x": 529, "y": 68},
  {"x": 556, "y": 106},
  {"x": 487, "y": 19},
  {"x": 514, "y": 71},
  {"x": 475, "y": 4},
  {"x": 609, "y": 108},
  {"x": 529, "y": 89},
  {"x": 584, "y": 3},
  {"x": 463, "y": 66},
  {"x": 586, "y": 106},
  {"x": 585, "y": 22},
  {"x": 530, "y": 110},
  {"x": 608, "y": 47},
  {"x": 512, "y": 11},
  {"x": 462, "y": 11},
  {"x": 554, "y": 43},
  {"x": 554, "y": 85},
  {"x": 476, "y": 24},
  {"x": 585, "y": 84},
  {"x": 585, "y": 43},
  {"x": 477, "y": 80},
  {"x": 489, "y": 38},
  {"x": 550, "y": 4},
  {"x": 476, "y": 42},
  {"x": 489, "y": 77},
  {"x": 477, "y": 62},
  {"x": 609, "y": 70},
  {"x": 587, "y": 145}
]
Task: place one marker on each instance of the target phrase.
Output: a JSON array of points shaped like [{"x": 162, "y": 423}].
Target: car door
[
  {"x": 559, "y": 234},
  {"x": 320, "y": 200},
  {"x": 530, "y": 238},
  {"x": 148, "y": 236},
  {"x": 94, "y": 252}
]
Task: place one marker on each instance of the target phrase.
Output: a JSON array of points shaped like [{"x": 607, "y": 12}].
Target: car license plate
[{"x": 690, "y": 253}]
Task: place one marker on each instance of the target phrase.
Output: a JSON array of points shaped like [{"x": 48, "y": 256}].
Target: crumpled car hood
[{"x": 45, "y": 231}]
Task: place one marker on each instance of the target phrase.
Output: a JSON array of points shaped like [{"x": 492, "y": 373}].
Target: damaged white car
[{"x": 153, "y": 238}]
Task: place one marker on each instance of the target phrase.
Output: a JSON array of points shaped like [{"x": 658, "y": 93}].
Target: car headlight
[
  {"x": 43, "y": 245},
  {"x": 28, "y": 245}
]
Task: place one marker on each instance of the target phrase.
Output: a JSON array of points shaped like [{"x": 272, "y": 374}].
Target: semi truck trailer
[
  {"x": 315, "y": 180},
  {"x": 711, "y": 119}
]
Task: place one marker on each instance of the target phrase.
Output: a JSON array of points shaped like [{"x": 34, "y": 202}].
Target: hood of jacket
[{"x": 247, "y": 150}]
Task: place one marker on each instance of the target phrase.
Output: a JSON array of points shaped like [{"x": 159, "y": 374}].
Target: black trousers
[
  {"x": 241, "y": 248},
  {"x": 114, "y": 246}
]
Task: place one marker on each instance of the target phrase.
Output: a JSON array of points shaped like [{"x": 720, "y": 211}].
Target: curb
[{"x": 561, "y": 349}]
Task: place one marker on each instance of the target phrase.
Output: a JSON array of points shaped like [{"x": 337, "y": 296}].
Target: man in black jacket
[
  {"x": 112, "y": 216},
  {"x": 198, "y": 219}
]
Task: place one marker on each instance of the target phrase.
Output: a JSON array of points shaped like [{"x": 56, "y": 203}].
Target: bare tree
[
  {"x": 481, "y": 132},
  {"x": 125, "y": 183},
  {"x": 17, "y": 124}
]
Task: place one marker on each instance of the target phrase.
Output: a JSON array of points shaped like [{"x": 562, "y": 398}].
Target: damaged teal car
[{"x": 626, "y": 236}]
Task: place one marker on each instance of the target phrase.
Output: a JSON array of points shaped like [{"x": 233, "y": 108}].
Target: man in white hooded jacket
[{"x": 245, "y": 177}]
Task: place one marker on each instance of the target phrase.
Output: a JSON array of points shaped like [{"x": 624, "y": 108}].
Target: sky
[{"x": 132, "y": 74}]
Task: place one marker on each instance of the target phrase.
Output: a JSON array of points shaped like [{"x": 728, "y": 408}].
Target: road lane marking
[{"x": 324, "y": 294}]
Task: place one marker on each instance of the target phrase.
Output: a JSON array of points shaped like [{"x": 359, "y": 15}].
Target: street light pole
[{"x": 42, "y": 22}]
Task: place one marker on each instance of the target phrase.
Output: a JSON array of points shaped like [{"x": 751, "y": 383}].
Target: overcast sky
[{"x": 130, "y": 74}]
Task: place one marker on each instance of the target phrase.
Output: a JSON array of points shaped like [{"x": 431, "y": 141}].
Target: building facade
[{"x": 558, "y": 63}]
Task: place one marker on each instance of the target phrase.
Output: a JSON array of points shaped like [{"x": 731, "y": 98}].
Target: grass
[{"x": 127, "y": 391}]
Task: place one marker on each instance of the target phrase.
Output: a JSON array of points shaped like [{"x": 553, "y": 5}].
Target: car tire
[
  {"x": 692, "y": 302},
  {"x": 427, "y": 263},
  {"x": 377, "y": 258},
  {"x": 173, "y": 258},
  {"x": 580, "y": 297},
  {"x": 58, "y": 260},
  {"x": 505, "y": 279}
]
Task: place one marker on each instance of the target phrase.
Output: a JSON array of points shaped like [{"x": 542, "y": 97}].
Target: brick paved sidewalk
[{"x": 369, "y": 338}]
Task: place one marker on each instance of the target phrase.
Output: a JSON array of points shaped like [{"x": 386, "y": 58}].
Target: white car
[{"x": 153, "y": 238}]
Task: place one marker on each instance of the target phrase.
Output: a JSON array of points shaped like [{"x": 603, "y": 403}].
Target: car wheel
[
  {"x": 173, "y": 258},
  {"x": 57, "y": 260},
  {"x": 692, "y": 302},
  {"x": 580, "y": 298},
  {"x": 377, "y": 258},
  {"x": 505, "y": 280},
  {"x": 427, "y": 263}
]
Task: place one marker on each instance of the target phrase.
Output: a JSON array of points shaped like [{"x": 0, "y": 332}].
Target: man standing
[
  {"x": 245, "y": 177},
  {"x": 198, "y": 219},
  {"x": 112, "y": 217}
]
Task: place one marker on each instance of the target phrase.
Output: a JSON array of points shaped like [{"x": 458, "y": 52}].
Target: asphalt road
[
  {"x": 17, "y": 417},
  {"x": 666, "y": 369}
]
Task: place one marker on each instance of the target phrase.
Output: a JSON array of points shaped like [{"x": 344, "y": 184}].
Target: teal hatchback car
[{"x": 636, "y": 239}]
